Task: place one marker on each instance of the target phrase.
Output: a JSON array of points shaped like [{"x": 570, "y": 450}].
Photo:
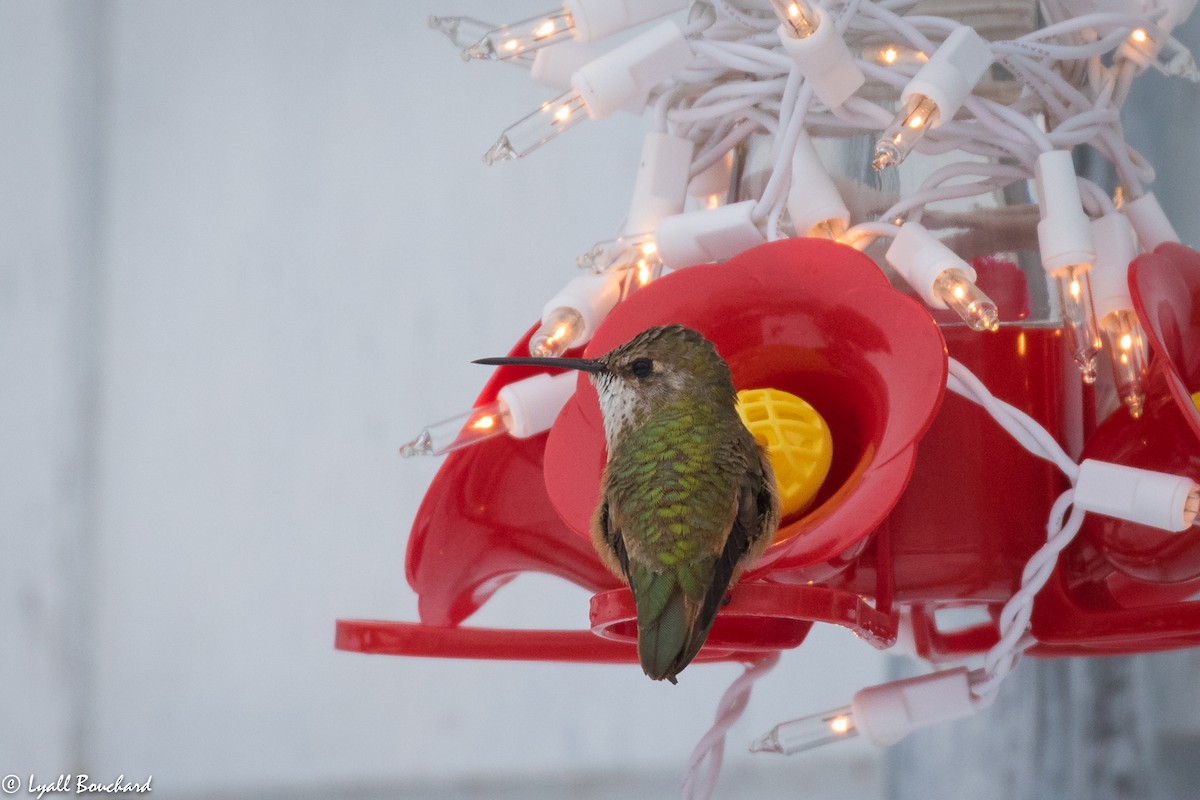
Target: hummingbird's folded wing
[
  {"x": 754, "y": 524},
  {"x": 608, "y": 542}
]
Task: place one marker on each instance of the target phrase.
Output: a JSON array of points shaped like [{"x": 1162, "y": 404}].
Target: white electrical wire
[
  {"x": 776, "y": 189},
  {"x": 1022, "y": 427},
  {"x": 1061, "y": 529},
  {"x": 1069, "y": 71},
  {"x": 704, "y": 767},
  {"x": 1014, "y": 617}
]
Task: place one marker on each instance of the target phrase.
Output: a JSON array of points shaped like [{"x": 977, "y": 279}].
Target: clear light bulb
[
  {"x": 461, "y": 31},
  {"x": 967, "y": 300},
  {"x": 519, "y": 38},
  {"x": 647, "y": 264},
  {"x": 460, "y": 431},
  {"x": 1079, "y": 317},
  {"x": 1166, "y": 54},
  {"x": 798, "y": 16},
  {"x": 893, "y": 55},
  {"x": 617, "y": 253},
  {"x": 833, "y": 228},
  {"x": 1125, "y": 342},
  {"x": 808, "y": 732},
  {"x": 525, "y": 136},
  {"x": 1176, "y": 60},
  {"x": 644, "y": 267},
  {"x": 558, "y": 332},
  {"x": 917, "y": 116}
]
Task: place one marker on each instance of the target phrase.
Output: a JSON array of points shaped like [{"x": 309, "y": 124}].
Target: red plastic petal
[
  {"x": 810, "y": 317},
  {"x": 1165, "y": 286}
]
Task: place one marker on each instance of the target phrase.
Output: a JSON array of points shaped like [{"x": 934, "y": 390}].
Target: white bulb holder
[
  {"x": 813, "y": 198},
  {"x": 701, "y": 237},
  {"x": 920, "y": 257},
  {"x": 1115, "y": 249},
  {"x": 1064, "y": 232},
  {"x": 534, "y": 403},
  {"x": 622, "y": 79},
  {"x": 596, "y": 19},
  {"x": 1149, "y": 221},
  {"x": 824, "y": 59},
  {"x": 951, "y": 72},
  {"x": 1157, "y": 499},
  {"x": 591, "y": 296},
  {"x": 660, "y": 188},
  {"x": 713, "y": 179},
  {"x": 554, "y": 66},
  {"x": 887, "y": 713}
]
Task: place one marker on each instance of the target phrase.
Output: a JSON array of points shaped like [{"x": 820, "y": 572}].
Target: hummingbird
[{"x": 687, "y": 499}]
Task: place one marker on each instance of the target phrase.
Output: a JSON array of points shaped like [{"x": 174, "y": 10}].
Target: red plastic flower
[{"x": 807, "y": 316}]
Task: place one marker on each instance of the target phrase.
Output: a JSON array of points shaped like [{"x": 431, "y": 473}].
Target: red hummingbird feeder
[{"x": 928, "y": 504}]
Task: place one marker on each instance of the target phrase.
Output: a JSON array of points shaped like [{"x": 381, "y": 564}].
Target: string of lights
[{"x": 998, "y": 113}]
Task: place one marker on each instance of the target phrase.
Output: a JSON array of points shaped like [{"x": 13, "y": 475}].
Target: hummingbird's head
[{"x": 660, "y": 366}]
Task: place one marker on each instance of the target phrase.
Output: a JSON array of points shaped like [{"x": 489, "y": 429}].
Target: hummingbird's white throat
[{"x": 618, "y": 399}]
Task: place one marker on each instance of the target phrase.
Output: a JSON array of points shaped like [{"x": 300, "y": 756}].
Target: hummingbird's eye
[{"x": 641, "y": 367}]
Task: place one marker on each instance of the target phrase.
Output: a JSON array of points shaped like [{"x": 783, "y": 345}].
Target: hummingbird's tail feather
[
  {"x": 670, "y": 630},
  {"x": 661, "y": 641}
]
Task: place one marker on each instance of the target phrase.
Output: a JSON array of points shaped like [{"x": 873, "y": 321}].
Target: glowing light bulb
[
  {"x": 808, "y": 732},
  {"x": 798, "y": 16},
  {"x": 530, "y": 133},
  {"x": 519, "y": 38},
  {"x": 1125, "y": 343},
  {"x": 521, "y": 409},
  {"x": 919, "y": 114},
  {"x": 637, "y": 256},
  {"x": 934, "y": 94},
  {"x": 559, "y": 331},
  {"x": 893, "y": 55},
  {"x": 643, "y": 266},
  {"x": 647, "y": 266},
  {"x": 940, "y": 276},
  {"x": 960, "y": 294},
  {"x": 833, "y": 228},
  {"x": 1165, "y": 53},
  {"x": 621, "y": 79},
  {"x": 619, "y": 253},
  {"x": 1079, "y": 317},
  {"x": 457, "y": 432}
]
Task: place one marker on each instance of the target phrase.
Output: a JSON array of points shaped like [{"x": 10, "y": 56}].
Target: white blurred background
[{"x": 246, "y": 250}]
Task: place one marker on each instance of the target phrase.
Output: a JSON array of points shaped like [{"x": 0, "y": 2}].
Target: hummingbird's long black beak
[{"x": 583, "y": 364}]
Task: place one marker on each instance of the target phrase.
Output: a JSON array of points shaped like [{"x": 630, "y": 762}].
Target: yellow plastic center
[
  {"x": 1196, "y": 400},
  {"x": 797, "y": 439}
]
